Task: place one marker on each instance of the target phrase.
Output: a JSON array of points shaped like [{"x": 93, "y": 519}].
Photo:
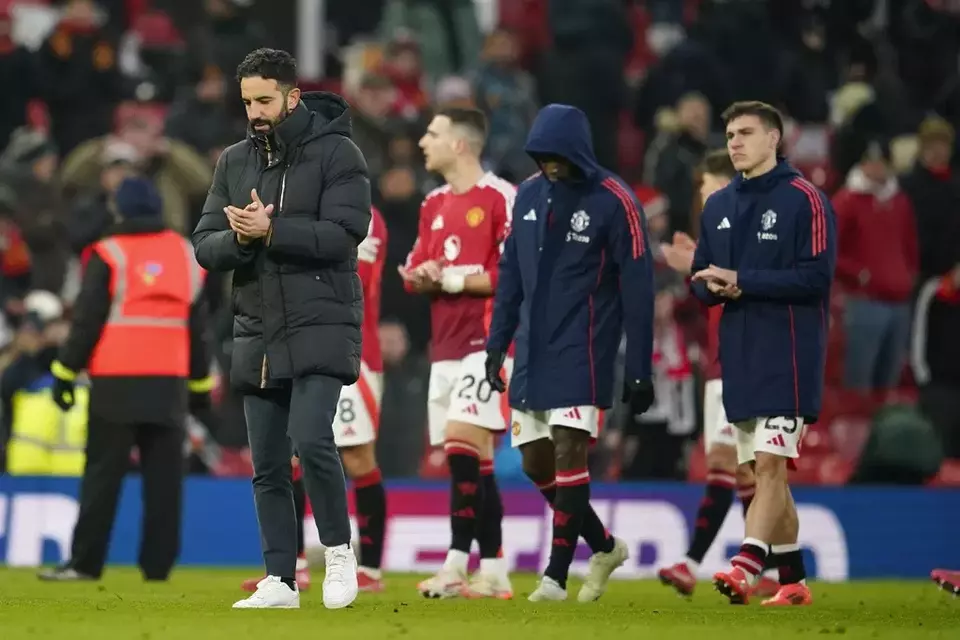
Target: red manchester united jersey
[
  {"x": 464, "y": 232},
  {"x": 371, "y": 256},
  {"x": 712, "y": 350}
]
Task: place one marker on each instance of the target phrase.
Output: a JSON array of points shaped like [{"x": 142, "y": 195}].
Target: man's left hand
[
  {"x": 714, "y": 273},
  {"x": 253, "y": 221},
  {"x": 639, "y": 395}
]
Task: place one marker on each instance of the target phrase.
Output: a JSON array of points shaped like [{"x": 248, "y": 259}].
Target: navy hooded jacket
[
  {"x": 778, "y": 232},
  {"x": 575, "y": 270}
]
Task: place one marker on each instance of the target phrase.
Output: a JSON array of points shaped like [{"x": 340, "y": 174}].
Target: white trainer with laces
[
  {"x": 448, "y": 583},
  {"x": 548, "y": 590},
  {"x": 600, "y": 567},
  {"x": 271, "y": 593},
  {"x": 340, "y": 586}
]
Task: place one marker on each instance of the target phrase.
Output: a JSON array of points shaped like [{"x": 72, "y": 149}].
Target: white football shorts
[
  {"x": 459, "y": 392},
  {"x": 781, "y": 436},
  {"x": 529, "y": 426},
  {"x": 358, "y": 412},
  {"x": 716, "y": 428}
]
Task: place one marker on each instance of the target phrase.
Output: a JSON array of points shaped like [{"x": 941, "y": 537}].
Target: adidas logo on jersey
[
  {"x": 437, "y": 224},
  {"x": 573, "y": 414},
  {"x": 472, "y": 410},
  {"x": 724, "y": 224},
  {"x": 531, "y": 215}
]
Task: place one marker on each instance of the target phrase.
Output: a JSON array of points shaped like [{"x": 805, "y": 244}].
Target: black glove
[
  {"x": 63, "y": 389},
  {"x": 493, "y": 367},
  {"x": 639, "y": 395}
]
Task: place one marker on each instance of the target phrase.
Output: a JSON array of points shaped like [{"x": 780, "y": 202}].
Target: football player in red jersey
[
  {"x": 719, "y": 437},
  {"x": 454, "y": 261},
  {"x": 355, "y": 426}
]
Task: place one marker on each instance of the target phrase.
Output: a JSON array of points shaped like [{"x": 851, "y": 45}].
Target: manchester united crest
[
  {"x": 516, "y": 428},
  {"x": 475, "y": 216}
]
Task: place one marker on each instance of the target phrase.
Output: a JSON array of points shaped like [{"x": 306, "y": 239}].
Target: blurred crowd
[{"x": 97, "y": 90}]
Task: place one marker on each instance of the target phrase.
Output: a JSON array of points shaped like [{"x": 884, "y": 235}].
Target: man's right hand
[
  {"x": 679, "y": 254},
  {"x": 494, "y": 366}
]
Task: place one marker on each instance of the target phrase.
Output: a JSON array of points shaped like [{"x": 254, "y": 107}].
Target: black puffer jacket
[{"x": 297, "y": 301}]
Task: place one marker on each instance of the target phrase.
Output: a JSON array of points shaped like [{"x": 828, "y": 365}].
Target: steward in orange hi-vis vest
[{"x": 138, "y": 330}]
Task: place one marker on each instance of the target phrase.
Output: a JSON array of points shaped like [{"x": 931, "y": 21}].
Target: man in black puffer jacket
[{"x": 297, "y": 302}]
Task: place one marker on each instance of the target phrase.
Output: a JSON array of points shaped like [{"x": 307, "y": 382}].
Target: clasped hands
[
  {"x": 431, "y": 277},
  {"x": 720, "y": 282},
  {"x": 251, "y": 222}
]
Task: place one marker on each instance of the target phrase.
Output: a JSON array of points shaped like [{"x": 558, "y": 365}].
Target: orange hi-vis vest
[{"x": 155, "y": 279}]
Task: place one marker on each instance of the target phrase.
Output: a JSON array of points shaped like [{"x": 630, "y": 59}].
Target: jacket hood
[
  {"x": 780, "y": 173},
  {"x": 562, "y": 130},
  {"x": 331, "y": 113}
]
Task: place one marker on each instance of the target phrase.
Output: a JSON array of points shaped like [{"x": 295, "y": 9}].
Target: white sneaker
[
  {"x": 489, "y": 585},
  {"x": 599, "y": 569},
  {"x": 448, "y": 583},
  {"x": 271, "y": 593},
  {"x": 548, "y": 590},
  {"x": 340, "y": 582}
]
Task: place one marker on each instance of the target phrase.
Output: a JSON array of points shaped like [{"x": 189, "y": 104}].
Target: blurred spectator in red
[
  {"x": 507, "y": 94},
  {"x": 18, "y": 70},
  {"x": 673, "y": 156},
  {"x": 402, "y": 65},
  {"x": 447, "y": 32},
  {"x": 14, "y": 257},
  {"x": 29, "y": 167},
  {"x": 78, "y": 76},
  {"x": 370, "y": 112},
  {"x": 199, "y": 116},
  {"x": 180, "y": 173},
  {"x": 877, "y": 266},
  {"x": 934, "y": 189}
]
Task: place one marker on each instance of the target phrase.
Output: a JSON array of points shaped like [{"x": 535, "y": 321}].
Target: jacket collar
[{"x": 286, "y": 134}]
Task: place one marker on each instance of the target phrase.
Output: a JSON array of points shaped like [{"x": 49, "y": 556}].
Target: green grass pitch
[{"x": 195, "y": 604}]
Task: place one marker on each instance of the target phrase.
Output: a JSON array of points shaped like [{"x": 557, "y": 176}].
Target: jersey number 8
[{"x": 345, "y": 409}]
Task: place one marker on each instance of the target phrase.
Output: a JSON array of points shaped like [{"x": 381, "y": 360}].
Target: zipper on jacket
[{"x": 263, "y": 361}]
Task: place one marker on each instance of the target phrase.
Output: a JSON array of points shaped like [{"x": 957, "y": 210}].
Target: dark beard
[{"x": 272, "y": 124}]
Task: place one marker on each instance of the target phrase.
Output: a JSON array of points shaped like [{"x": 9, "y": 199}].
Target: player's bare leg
[
  {"x": 786, "y": 555},
  {"x": 770, "y": 505},
  {"x": 360, "y": 464},
  {"x": 767, "y": 585},
  {"x": 464, "y": 444},
  {"x": 492, "y": 580},
  {"x": 539, "y": 464}
]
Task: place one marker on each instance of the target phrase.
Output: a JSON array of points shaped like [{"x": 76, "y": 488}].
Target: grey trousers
[{"x": 296, "y": 418}]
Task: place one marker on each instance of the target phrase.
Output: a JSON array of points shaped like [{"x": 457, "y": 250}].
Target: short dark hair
[
  {"x": 271, "y": 64},
  {"x": 466, "y": 117},
  {"x": 474, "y": 120},
  {"x": 769, "y": 115},
  {"x": 718, "y": 163}
]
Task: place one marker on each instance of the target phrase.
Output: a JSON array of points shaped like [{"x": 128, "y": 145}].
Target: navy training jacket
[
  {"x": 778, "y": 232},
  {"x": 575, "y": 269}
]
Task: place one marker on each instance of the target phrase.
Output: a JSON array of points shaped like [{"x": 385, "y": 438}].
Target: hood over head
[{"x": 564, "y": 131}]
